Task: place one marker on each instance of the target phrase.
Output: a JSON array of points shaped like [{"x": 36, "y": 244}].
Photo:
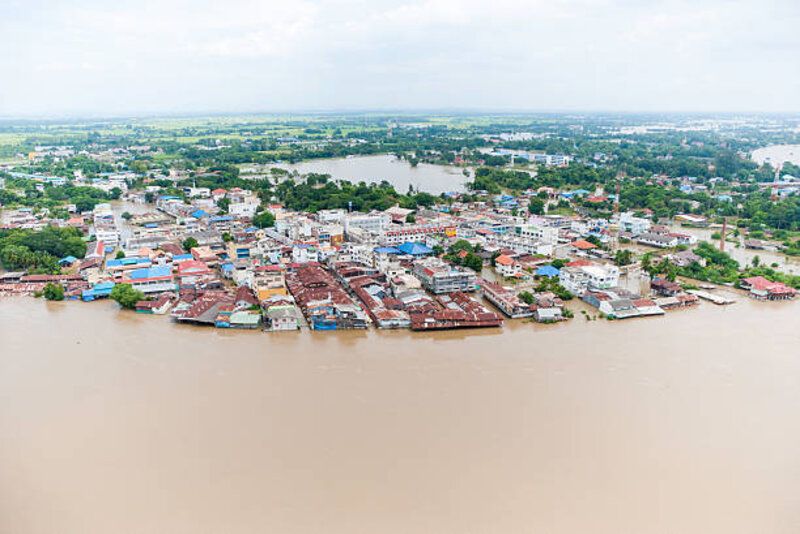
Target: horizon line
[{"x": 139, "y": 115}]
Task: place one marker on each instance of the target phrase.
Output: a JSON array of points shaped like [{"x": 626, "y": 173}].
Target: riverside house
[{"x": 763, "y": 289}]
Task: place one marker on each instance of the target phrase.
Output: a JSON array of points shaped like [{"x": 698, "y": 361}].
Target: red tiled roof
[
  {"x": 582, "y": 244},
  {"x": 504, "y": 260},
  {"x": 579, "y": 263}
]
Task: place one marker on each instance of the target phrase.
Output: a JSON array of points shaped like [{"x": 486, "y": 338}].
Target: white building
[
  {"x": 415, "y": 233},
  {"x": 243, "y": 203},
  {"x": 374, "y": 223},
  {"x": 634, "y": 225},
  {"x": 356, "y": 253},
  {"x": 520, "y": 245},
  {"x": 542, "y": 234},
  {"x": 658, "y": 240},
  {"x": 331, "y": 216},
  {"x": 244, "y": 209},
  {"x": 109, "y": 237},
  {"x": 302, "y": 253},
  {"x": 507, "y": 266},
  {"x": 594, "y": 276}
]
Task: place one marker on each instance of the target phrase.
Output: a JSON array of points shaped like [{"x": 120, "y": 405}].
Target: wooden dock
[{"x": 716, "y": 299}]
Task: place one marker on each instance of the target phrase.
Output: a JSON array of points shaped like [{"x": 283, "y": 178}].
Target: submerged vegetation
[{"x": 39, "y": 251}]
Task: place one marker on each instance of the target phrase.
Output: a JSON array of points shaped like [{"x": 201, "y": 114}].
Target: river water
[
  {"x": 116, "y": 422},
  {"x": 434, "y": 179},
  {"x": 777, "y": 155},
  {"x": 745, "y": 256}
]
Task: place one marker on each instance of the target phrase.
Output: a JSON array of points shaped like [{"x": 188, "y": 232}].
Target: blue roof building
[
  {"x": 386, "y": 250},
  {"x": 547, "y": 270},
  {"x": 100, "y": 290},
  {"x": 150, "y": 272},
  {"x": 123, "y": 262},
  {"x": 576, "y": 193},
  {"x": 415, "y": 249}
]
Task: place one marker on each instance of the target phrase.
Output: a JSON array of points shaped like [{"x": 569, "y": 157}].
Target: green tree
[
  {"x": 189, "y": 243},
  {"x": 536, "y": 206},
  {"x": 623, "y": 257},
  {"x": 458, "y": 246},
  {"x": 264, "y": 219},
  {"x": 53, "y": 292},
  {"x": 647, "y": 263},
  {"x": 473, "y": 261},
  {"x": 126, "y": 296},
  {"x": 526, "y": 297}
]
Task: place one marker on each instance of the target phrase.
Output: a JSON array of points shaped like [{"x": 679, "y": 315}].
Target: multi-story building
[
  {"x": 151, "y": 279},
  {"x": 243, "y": 203},
  {"x": 543, "y": 234},
  {"x": 355, "y": 253},
  {"x": 415, "y": 233},
  {"x": 577, "y": 279},
  {"x": 329, "y": 233},
  {"x": 375, "y": 223},
  {"x": 634, "y": 225},
  {"x": 331, "y": 216},
  {"x": 304, "y": 253},
  {"x": 507, "y": 267},
  {"x": 520, "y": 244},
  {"x": 658, "y": 240},
  {"x": 268, "y": 281},
  {"x": 438, "y": 276}
]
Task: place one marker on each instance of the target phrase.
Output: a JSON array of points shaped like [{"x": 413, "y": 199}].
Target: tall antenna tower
[{"x": 615, "y": 216}]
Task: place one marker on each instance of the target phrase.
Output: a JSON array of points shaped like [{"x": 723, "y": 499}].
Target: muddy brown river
[{"x": 112, "y": 422}]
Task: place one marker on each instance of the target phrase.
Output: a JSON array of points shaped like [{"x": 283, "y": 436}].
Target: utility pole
[
  {"x": 722, "y": 236},
  {"x": 615, "y": 216}
]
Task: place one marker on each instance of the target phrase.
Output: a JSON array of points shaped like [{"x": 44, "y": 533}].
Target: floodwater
[
  {"x": 434, "y": 179},
  {"x": 777, "y": 155},
  {"x": 745, "y": 256},
  {"x": 116, "y": 422}
]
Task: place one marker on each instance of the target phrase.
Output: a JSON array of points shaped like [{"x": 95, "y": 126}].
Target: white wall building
[
  {"x": 580, "y": 278},
  {"x": 375, "y": 223},
  {"x": 543, "y": 234},
  {"x": 635, "y": 225}
]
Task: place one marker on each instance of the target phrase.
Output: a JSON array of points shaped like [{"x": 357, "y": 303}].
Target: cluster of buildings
[
  {"x": 200, "y": 258},
  {"x": 644, "y": 232},
  {"x": 760, "y": 288}
]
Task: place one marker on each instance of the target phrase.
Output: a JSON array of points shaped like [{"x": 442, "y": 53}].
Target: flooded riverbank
[
  {"x": 117, "y": 422},
  {"x": 745, "y": 256},
  {"x": 434, "y": 179},
  {"x": 777, "y": 155}
]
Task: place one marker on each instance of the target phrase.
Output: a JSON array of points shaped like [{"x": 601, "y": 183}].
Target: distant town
[{"x": 213, "y": 223}]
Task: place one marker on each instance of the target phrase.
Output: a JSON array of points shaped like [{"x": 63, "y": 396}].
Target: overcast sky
[{"x": 73, "y": 57}]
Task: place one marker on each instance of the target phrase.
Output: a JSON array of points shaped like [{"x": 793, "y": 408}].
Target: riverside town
[
  {"x": 400, "y": 267},
  {"x": 424, "y": 223}
]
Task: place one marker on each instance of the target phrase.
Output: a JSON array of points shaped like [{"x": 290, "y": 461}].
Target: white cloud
[{"x": 196, "y": 55}]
